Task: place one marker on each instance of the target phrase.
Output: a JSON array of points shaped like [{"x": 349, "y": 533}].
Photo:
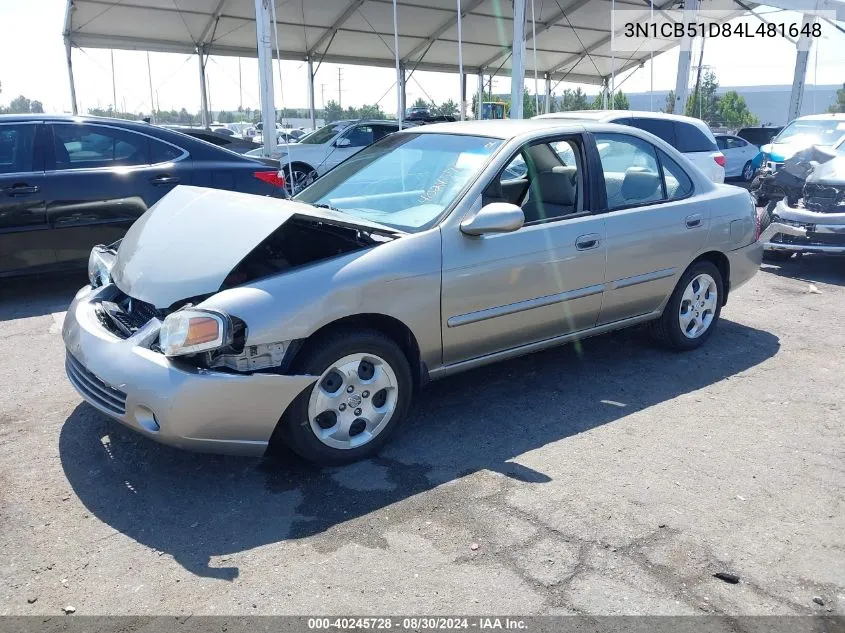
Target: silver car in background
[{"x": 230, "y": 323}]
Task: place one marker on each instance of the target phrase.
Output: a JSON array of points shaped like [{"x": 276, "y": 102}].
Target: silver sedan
[{"x": 231, "y": 323}]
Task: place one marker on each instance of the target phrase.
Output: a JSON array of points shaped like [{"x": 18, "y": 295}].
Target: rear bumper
[
  {"x": 171, "y": 402},
  {"x": 799, "y": 230},
  {"x": 744, "y": 263}
]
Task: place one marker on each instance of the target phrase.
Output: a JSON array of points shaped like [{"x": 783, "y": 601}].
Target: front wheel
[
  {"x": 693, "y": 309},
  {"x": 360, "y": 397},
  {"x": 302, "y": 176}
]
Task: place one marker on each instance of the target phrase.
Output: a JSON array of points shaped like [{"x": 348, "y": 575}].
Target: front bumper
[
  {"x": 170, "y": 402},
  {"x": 799, "y": 230}
]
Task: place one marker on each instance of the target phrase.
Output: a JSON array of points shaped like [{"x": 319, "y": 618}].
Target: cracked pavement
[{"x": 607, "y": 477}]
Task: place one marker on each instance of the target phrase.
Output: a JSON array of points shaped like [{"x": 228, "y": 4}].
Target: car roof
[
  {"x": 835, "y": 116},
  {"x": 499, "y": 128},
  {"x": 607, "y": 115}
]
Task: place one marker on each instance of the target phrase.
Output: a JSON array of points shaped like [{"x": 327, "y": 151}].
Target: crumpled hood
[{"x": 186, "y": 244}]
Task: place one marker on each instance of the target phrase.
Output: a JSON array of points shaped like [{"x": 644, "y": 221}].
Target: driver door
[{"x": 546, "y": 279}]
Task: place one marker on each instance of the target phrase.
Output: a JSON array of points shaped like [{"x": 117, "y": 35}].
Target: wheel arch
[
  {"x": 723, "y": 264},
  {"x": 390, "y": 326}
]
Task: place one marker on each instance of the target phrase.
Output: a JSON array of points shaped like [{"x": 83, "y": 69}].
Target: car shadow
[
  {"x": 195, "y": 507},
  {"x": 825, "y": 269},
  {"x": 24, "y": 297}
]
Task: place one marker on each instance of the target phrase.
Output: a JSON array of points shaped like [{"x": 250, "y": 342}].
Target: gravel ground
[{"x": 606, "y": 477}]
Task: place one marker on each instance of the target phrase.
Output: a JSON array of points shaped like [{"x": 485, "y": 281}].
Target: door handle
[
  {"x": 587, "y": 242},
  {"x": 21, "y": 189},
  {"x": 164, "y": 180},
  {"x": 693, "y": 220}
]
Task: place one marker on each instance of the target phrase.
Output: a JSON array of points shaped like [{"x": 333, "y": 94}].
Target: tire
[
  {"x": 304, "y": 175},
  {"x": 668, "y": 329},
  {"x": 360, "y": 431},
  {"x": 747, "y": 173}
]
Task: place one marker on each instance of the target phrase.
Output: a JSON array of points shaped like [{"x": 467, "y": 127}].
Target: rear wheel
[
  {"x": 360, "y": 397},
  {"x": 693, "y": 310}
]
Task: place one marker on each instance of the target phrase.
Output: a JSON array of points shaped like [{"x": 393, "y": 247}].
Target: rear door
[
  {"x": 100, "y": 179},
  {"x": 738, "y": 154},
  {"x": 652, "y": 227},
  {"x": 23, "y": 217}
]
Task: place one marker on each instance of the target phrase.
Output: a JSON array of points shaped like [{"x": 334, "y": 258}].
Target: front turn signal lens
[{"x": 192, "y": 331}]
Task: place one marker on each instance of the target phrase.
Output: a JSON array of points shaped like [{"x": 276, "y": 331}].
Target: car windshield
[
  {"x": 323, "y": 135},
  {"x": 405, "y": 181},
  {"x": 812, "y": 132}
]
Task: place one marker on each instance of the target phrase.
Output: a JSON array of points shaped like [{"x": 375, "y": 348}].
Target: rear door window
[
  {"x": 692, "y": 139},
  {"x": 380, "y": 131},
  {"x": 17, "y": 148},
  {"x": 631, "y": 173},
  {"x": 87, "y": 146},
  {"x": 678, "y": 183},
  {"x": 163, "y": 152},
  {"x": 662, "y": 128}
]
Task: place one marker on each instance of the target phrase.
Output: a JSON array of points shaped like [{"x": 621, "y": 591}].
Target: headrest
[
  {"x": 556, "y": 187},
  {"x": 639, "y": 184}
]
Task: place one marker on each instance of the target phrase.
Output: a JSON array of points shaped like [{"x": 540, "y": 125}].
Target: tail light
[
  {"x": 720, "y": 159},
  {"x": 274, "y": 178}
]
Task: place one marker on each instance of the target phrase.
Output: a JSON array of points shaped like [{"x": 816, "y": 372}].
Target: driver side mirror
[
  {"x": 342, "y": 142},
  {"x": 496, "y": 217}
]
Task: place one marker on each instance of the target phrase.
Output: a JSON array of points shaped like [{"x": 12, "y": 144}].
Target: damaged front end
[{"x": 807, "y": 209}]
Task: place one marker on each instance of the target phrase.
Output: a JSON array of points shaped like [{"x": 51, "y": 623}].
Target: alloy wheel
[{"x": 698, "y": 305}]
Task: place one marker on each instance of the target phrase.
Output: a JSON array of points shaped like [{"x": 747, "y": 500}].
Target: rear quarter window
[
  {"x": 691, "y": 139},
  {"x": 661, "y": 128}
]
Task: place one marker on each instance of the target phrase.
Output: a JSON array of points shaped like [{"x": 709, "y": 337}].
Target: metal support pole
[
  {"x": 400, "y": 72},
  {"x": 684, "y": 59},
  {"x": 402, "y": 98},
  {"x": 461, "y": 75},
  {"x": 548, "y": 107},
  {"x": 480, "y": 98},
  {"x": 604, "y": 89},
  {"x": 802, "y": 55},
  {"x": 264, "y": 39},
  {"x": 204, "y": 120},
  {"x": 518, "y": 59},
  {"x": 70, "y": 77},
  {"x": 311, "y": 106},
  {"x": 152, "y": 101},
  {"x": 113, "y": 85}
]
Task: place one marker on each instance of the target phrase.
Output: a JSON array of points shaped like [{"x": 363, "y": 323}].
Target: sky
[{"x": 32, "y": 63}]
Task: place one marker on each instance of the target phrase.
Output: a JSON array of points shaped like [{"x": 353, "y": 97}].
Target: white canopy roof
[{"x": 572, "y": 36}]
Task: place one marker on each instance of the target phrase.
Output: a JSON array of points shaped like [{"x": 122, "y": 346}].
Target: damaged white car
[
  {"x": 806, "y": 210},
  {"x": 229, "y": 323}
]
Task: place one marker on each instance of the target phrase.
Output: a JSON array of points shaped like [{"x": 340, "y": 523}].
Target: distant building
[{"x": 769, "y": 103}]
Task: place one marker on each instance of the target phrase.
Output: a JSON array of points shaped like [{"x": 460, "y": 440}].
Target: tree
[
  {"x": 839, "y": 106},
  {"x": 704, "y": 105},
  {"x": 573, "y": 100},
  {"x": 447, "y": 108},
  {"x": 371, "y": 112},
  {"x": 669, "y": 108},
  {"x": 36, "y": 107},
  {"x": 226, "y": 117},
  {"x": 421, "y": 103},
  {"x": 529, "y": 107},
  {"x": 620, "y": 101},
  {"x": 333, "y": 111},
  {"x": 734, "y": 112},
  {"x": 20, "y": 105}
]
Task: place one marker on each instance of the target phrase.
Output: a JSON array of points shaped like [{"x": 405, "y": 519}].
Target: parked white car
[
  {"x": 318, "y": 152},
  {"x": 689, "y": 136},
  {"x": 739, "y": 156}
]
